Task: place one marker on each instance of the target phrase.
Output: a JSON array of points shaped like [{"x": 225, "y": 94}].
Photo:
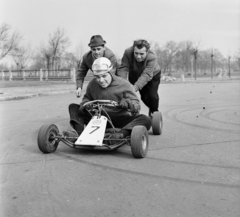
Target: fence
[{"x": 41, "y": 75}]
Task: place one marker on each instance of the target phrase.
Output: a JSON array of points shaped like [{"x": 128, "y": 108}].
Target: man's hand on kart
[
  {"x": 134, "y": 108},
  {"x": 88, "y": 107},
  {"x": 124, "y": 103},
  {"x": 127, "y": 104},
  {"x": 78, "y": 92}
]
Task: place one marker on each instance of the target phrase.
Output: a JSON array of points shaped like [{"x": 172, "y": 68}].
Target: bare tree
[
  {"x": 58, "y": 42},
  {"x": 8, "y": 40},
  {"x": 69, "y": 60},
  {"x": 73, "y": 59},
  {"x": 212, "y": 60},
  {"x": 219, "y": 60},
  {"x": 229, "y": 66},
  {"x": 186, "y": 54},
  {"x": 38, "y": 61},
  {"x": 169, "y": 51},
  {"x": 158, "y": 52},
  {"x": 194, "y": 52},
  {"x": 22, "y": 55},
  {"x": 183, "y": 55},
  {"x": 195, "y": 55},
  {"x": 56, "y": 49},
  {"x": 47, "y": 55},
  {"x": 78, "y": 54}
]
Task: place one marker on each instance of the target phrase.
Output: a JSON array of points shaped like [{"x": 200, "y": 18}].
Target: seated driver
[{"x": 106, "y": 86}]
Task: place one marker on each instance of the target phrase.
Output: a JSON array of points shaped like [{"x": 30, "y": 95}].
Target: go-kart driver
[{"x": 108, "y": 86}]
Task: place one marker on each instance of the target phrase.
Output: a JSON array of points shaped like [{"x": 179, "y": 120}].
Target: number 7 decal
[{"x": 96, "y": 128}]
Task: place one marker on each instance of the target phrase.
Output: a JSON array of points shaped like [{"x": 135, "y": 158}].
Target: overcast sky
[{"x": 213, "y": 23}]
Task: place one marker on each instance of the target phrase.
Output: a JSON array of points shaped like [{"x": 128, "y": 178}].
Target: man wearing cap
[
  {"x": 139, "y": 65},
  {"x": 106, "y": 85},
  {"x": 98, "y": 49}
]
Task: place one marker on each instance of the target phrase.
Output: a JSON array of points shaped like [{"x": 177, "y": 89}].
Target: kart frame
[{"x": 49, "y": 135}]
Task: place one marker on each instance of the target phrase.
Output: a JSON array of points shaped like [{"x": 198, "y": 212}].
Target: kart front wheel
[
  {"x": 157, "y": 123},
  {"x": 139, "y": 142},
  {"x": 46, "y": 138}
]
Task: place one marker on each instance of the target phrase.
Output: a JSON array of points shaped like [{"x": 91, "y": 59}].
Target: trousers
[{"x": 149, "y": 93}]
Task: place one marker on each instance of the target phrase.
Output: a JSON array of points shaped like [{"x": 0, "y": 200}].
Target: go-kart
[{"x": 96, "y": 133}]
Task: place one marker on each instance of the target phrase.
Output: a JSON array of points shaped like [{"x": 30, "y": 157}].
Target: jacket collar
[{"x": 115, "y": 81}]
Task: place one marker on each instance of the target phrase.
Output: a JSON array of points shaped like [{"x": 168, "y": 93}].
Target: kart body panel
[{"x": 94, "y": 132}]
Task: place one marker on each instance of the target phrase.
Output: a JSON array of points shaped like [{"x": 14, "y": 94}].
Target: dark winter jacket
[
  {"x": 87, "y": 62},
  {"x": 115, "y": 91},
  {"x": 139, "y": 74}
]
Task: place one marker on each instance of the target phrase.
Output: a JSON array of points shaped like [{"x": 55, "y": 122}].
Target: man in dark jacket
[
  {"x": 139, "y": 65},
  {"x": 98, "y": 49},
  {"x": 106, "y": 85}
]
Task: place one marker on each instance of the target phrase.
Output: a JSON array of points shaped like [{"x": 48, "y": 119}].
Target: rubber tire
[
  {"x": 139, "y": 142},
  {"x": 44, "y": 141},
  {"x": 157, "y": 123}
]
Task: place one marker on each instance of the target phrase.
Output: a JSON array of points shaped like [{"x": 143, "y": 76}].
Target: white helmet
[{"x": 101, "y": 66}]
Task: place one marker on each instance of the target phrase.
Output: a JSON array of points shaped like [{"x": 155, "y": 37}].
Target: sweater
[{"x": 138, "y": 73}]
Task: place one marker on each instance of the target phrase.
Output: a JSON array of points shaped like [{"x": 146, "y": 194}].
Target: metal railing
[{"x": 42, "y": 74}]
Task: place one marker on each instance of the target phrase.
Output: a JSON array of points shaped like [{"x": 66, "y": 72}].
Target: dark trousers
[
  {"x": 149, "y": 93},
  {"x": 79, "y": 118}
]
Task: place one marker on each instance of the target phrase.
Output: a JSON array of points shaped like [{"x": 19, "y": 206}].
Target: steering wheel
[{"x": 102, "y": 102}]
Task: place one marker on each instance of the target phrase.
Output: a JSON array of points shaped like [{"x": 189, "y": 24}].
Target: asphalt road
[{"x": 192, "y": 169}]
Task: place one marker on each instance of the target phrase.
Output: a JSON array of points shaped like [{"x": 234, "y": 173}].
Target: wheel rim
[
  {"x": 144, "y": 142},
  {"x": 51, "y": 140}
]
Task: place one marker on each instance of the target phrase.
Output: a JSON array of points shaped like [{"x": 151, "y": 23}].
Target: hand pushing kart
[{"x": 96, "y": 133}]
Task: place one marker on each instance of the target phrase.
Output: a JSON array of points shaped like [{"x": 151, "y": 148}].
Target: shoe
[
  {"x": 116, "y": 136},
  {"x": 70, "y": 135}
]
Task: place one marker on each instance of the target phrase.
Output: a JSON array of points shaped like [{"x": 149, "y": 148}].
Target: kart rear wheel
[
  {"x": 46, "y": 138},
  {"x": 139, "y": 142},
  {"x": 157, "y": 123}
]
